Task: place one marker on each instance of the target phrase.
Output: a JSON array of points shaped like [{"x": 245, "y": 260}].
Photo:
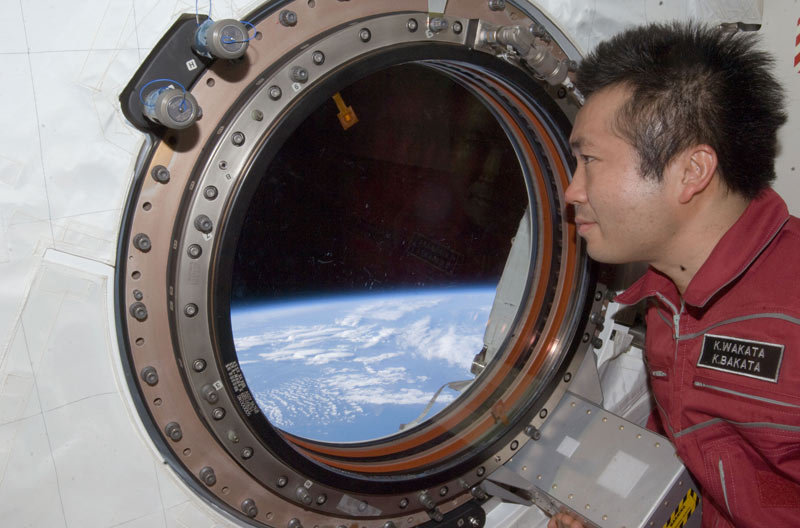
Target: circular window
[{"x": 358, "y": 288}]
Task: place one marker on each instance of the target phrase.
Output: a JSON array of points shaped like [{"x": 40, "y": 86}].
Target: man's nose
[{"x": 576, "y": 191}]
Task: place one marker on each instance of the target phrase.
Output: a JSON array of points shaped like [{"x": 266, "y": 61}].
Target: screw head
[
  {"x": 318, "y": 57},
  {"x": 173, "y": 431},
  {"x": 150, "y": 376},
  {"x": 458, "y": 27},
  {"x": 203, "y": 224},
  {"x": 412, "y": 25},
  {"x": 199, "y": 365},
  {"x": 160, "y": 174},
  {"x": 282, "y": 481},
  {"x": 210, "y": 192},
  {"x": 237, "y": 138},
  {"x": 139, "y": 311},
  {"x": 403, "y": 503},
  {"x": 218, "y": 413},
  {"x": 194, "y": 251},
  {"x": 207, "y": 476},
  {"x": 543, "y": 413},
  {"x": 142, "y": 242},
  {"x": 275, "y": 92},
  {"x": 190, "y": 310},
  {"x": 288, "y": 18},
  {"x": 247, "y": 453},
  {"x": 365, "y": 35},
  {"x": 257, "y": 115},
  {"x": 249, "y": 508},
  {"x": 299, "y": 74}
]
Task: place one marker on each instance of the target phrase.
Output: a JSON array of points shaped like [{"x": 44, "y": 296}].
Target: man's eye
[{"x": 586, "y": 159}]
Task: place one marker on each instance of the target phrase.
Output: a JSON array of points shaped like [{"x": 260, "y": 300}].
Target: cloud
[{"x": 448, "y": 343}]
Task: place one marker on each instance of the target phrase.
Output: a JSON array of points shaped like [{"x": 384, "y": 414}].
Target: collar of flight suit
[{"x": 736, "y": 251}]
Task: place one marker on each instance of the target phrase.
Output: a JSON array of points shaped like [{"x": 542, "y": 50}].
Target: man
[{"x": 675, "y": 152}]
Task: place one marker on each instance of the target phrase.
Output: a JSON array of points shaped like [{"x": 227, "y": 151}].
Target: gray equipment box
[{"x": 607, "y": 471}]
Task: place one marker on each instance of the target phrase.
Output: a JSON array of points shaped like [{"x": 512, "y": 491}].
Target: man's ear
[{"x": 698, "y": 165}]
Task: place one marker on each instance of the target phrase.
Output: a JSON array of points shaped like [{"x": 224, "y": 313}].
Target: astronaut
[{"x": 675, "y": 153}]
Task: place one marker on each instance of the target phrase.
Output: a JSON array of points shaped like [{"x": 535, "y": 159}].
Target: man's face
[{"x": 623, "y": 216}]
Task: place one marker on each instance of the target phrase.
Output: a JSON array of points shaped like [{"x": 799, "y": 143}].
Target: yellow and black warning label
[{"x": 683, "y": 510}]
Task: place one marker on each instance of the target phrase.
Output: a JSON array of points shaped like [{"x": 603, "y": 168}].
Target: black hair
[{"x": 693, "y": 84}]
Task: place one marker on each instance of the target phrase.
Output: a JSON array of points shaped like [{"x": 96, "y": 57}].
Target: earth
[{"x": 350, "y": 368}]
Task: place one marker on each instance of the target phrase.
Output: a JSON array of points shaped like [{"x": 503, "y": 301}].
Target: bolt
[
  {"x": 139, "y": 311},
  {"x": 481, "y": 471},
  {"x": 247, "y": 453},
  {"x": 190, "y": 310},
  {"x": 275, "y": 92},
  {"x": 150, "y": 376},
  {"x": 203, "y": 224},
  {"x": 514, "y": 445},
  {"x": 497, "y": 5},
  {"x": 475, "y": 523},
  {"x": 210, "y": 394},
  {"x": 426, "y": 500},
  {"x": 233, "y": 436},
  {"x": 533, "y": 432},
  {"x": 595, "y": 318},
  {"x": 598, "y": 296},
  {"x": 561, "y": 92},
  {"x": 478, "y": 493},
  {"x": 362, "y": 506},
  {"x": 173, "y": 431},
  {"x": 458, "y": 27},
  {"x": 389, "y": 524},
  {"x": 586, "y": 338},
  {"x": 436, "y": 515},
  {"x": 437, "y": 24},
  {"x": 210, "y": 192},
  {"x": 443, "y": 491},
  {"x": 318, "y": 57},
  {"x": 597, "y": 342},
  {"x": 288, "y": 18},
  {"x": 194, "y": 251},
  {"x": 160, "y": 174},
  {"x": 322, "y": 499},
  {"x": 138, "y": 295},
  {"x": 365, "y": 35},
  {"x": 199, "y": 365},
  {"x": 303, "y": 495},
  {"x": 299, "y": 74},
  {"x": 257, "y": 115},
  {"x": 282, "y": 481},
  {"x": 294, "y": 523},
  {"x": 567, "y": 377},
  {"x": 543, "y": 413},
  {"x": 237, "y": 138},
  {"x": 249, "y": 508},
  {"x": 223, "y": 165},
  {"x": 207, "y": 476},
  {"x": 218, "y": 413},
  {"x": 142, "y": 242},
  {"x": 412, "y": 25},
  {"x": 403, "y": 503}
]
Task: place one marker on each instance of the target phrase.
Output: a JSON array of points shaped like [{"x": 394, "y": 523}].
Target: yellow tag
[
  {"x": 683, "y": 511},
  {"x": 347, "y": 117}
]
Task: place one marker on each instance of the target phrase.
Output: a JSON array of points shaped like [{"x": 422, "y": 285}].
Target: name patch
[{"x": 738, "y": 356}]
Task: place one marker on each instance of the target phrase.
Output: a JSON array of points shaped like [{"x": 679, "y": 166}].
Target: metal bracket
[{"x": 468, "y": 515}]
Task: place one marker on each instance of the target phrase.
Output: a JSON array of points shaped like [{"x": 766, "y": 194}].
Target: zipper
[{"x": 724, "y": 489}]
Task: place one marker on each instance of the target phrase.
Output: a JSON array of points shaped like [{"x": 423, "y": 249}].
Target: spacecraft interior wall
[{"x": 73, "y": 451}]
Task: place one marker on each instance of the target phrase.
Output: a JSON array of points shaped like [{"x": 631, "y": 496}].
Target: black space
[{"x": 425, "y": 190}]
